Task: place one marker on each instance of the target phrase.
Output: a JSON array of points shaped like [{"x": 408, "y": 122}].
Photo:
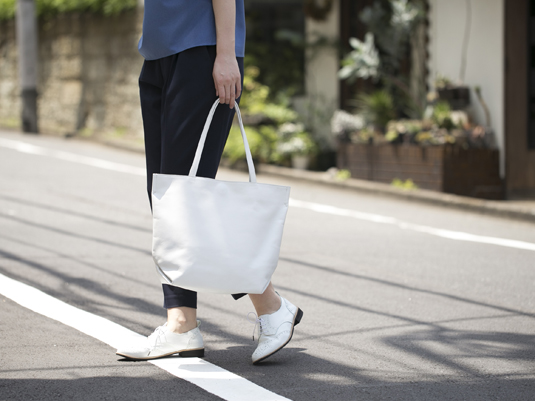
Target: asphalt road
[{"x": 391, "y": 313}]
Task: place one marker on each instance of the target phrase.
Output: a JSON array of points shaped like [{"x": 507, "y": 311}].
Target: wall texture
[
  {"x": 321, "y": 72},
  {"x": 485, "y": 55},
  {"x": 88, "y": 71}
]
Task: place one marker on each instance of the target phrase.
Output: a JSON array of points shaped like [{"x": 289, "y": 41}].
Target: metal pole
[{"x": 27, "y": 49}]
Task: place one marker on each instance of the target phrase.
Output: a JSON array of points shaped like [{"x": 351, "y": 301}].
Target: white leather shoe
[
  {"x": 164, "y": 343},
  {"x": 276, "y": 330}
]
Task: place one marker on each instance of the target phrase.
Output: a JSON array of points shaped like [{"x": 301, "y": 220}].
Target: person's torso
[{"x": 171, "y": 26}]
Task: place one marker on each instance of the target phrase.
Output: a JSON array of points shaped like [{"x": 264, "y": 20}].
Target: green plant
[
  {"x": 53, "y": 7},
  {"x": 442, "y": 82},
  {"x": 342, "y": 175},
  {"x": 261, "y": 141},
  {"x": 442, "y": 115},
  {"x": 390, "y": 24},
  {"x": 298, "y": 144},
  {"x": 377, "y": 108},
  {"x": 7, "y": 9},
  {"x": 405, "y": 129},
  {"x": 277, "y": 136},
  {"x": 255, "y": 99},
  {"x": 362, "y": 62},
  {"x": 407, "y": 185}
]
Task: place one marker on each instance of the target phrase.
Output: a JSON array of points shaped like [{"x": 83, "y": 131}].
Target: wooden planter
[{"x": 446, "y": 168}]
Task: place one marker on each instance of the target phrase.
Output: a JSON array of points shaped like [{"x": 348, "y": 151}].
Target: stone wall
[{"x": 88, "y": 72}]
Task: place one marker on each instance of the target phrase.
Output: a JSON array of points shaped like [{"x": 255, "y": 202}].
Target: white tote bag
[{"x": 217, "y": 236}]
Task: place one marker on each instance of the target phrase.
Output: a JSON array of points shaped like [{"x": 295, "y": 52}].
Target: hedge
[{"x": 53, "y": 7}]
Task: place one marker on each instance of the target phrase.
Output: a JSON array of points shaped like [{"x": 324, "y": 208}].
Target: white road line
[
  {"x": 25, "y": 147},
  {"x": 377, "y": 218},
  {"x": 316, "y": 207},
  {"x": 207, "y": 376}
]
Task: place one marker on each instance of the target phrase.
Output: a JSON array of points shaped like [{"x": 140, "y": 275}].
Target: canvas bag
[{"x": 217, "y": 236}]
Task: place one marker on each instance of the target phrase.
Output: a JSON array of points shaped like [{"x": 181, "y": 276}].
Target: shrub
[
  {"x": 53, "y": 7},
  {"x": 261, "y": 140}
]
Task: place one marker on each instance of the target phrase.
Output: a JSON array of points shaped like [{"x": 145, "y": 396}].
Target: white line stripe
[
  {"x": 207, "y": 376},
  {"x": 376, "y": 218},
  {"x": 24, "y": 147},
  {"x": 316, "y": 207}
]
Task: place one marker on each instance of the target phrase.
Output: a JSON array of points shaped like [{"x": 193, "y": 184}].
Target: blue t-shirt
[{"x": 171, "y": 26}]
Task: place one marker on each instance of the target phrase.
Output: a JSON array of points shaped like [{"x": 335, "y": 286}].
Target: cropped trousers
[{"x": 176, "y": 95}]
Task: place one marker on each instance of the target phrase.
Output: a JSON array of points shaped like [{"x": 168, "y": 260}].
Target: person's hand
[{"x": 227, "y": 79}]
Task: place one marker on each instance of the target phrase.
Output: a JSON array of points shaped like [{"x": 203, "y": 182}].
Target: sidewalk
[{"x": 523, "y": 210}]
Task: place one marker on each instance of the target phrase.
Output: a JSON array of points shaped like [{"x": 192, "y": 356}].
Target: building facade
[{"x": 485, "y": 43}]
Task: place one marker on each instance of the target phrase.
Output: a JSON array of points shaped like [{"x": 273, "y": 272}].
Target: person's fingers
[
  {"x": 238, "y": 88},
  {"x": 214, "y": 77},
  {"x": 227, "y": 80},
  {"x": 221, "y": 93},
  {"x": 227, "y": 93},
  {"x": 232, "y": 96}
]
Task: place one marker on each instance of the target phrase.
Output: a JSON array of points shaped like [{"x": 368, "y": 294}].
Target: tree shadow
[
  {"x": 77, "y": 235},
  {"x": 409, "y": 365},
  {"x": 298, "y": 374},
  {"x": 73, "y": 213},
  {"x": 115, "y": 388},
  {"x": 76, "y": 298},
  {"x": 406, "y": 287}
]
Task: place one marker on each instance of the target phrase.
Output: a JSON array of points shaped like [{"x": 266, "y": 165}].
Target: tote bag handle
[{"x": 200, "y": 146}]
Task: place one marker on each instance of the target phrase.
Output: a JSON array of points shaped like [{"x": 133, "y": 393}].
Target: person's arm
[{"x": 227, "y": 78}]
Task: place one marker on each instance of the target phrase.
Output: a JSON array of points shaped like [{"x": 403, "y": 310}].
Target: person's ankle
[
  {"x": 181, "y": 326},
  {"x": 270, "y": 308},
  {"x": 181, "y": 319}
]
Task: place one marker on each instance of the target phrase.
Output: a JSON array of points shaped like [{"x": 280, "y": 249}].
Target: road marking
[
  {"x": 377, "y": 218},
  {"x": 207, "y": 376},
  {"x": 316, "y": 207},
  {"x": 25, "y": 147}
]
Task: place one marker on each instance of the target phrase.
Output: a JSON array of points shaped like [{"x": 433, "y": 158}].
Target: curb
[
  {"x": 488, "y": 207},
  {"x": 496, "y": 208}
]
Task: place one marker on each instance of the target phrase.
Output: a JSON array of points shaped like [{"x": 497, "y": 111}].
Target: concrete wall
[
  {"x": 485, "y": 56},
  {"x": 322, "y": 64},
  {"x": 9, "y": 87},
  {"x": 89, "y": 67}
]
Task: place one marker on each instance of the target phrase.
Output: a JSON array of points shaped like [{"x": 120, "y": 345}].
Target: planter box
[
  {"x": 447, "y": 168},
  {"x": 457, "y": 97}
]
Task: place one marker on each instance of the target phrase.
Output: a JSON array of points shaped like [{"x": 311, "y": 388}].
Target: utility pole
[{"x": 27, "y": 49}]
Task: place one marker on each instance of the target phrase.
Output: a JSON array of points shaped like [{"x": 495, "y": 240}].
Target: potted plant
[
  {"x": 457, "y": 96},
  {"x": 443, "y": 152},
  {"x": 297, "y": 144}
]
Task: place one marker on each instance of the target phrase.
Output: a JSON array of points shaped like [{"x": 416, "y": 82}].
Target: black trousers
[{"x": 176, "y": 94}]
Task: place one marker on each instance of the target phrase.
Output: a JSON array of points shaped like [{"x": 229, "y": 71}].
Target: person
[{"x": 193, "y": 54}]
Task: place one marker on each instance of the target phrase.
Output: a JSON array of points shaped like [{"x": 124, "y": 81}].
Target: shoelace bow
[
  {"x": 257, "y": 321},
  {"x": 155, "y": 337}
]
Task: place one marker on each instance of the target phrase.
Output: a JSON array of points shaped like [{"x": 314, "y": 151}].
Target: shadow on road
[
  {"x": 304, "y": 379},
  {"x": 64, "y": 211},
  {"x": 457, "y": 357},
  {"x": 101, "y": 388},
  {"x": 406, "y": 287}
]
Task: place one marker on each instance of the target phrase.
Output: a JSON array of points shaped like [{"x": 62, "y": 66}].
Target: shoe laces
[
  {"x": 257, "y": 321},
  {"x": 156, "y": 337}
]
